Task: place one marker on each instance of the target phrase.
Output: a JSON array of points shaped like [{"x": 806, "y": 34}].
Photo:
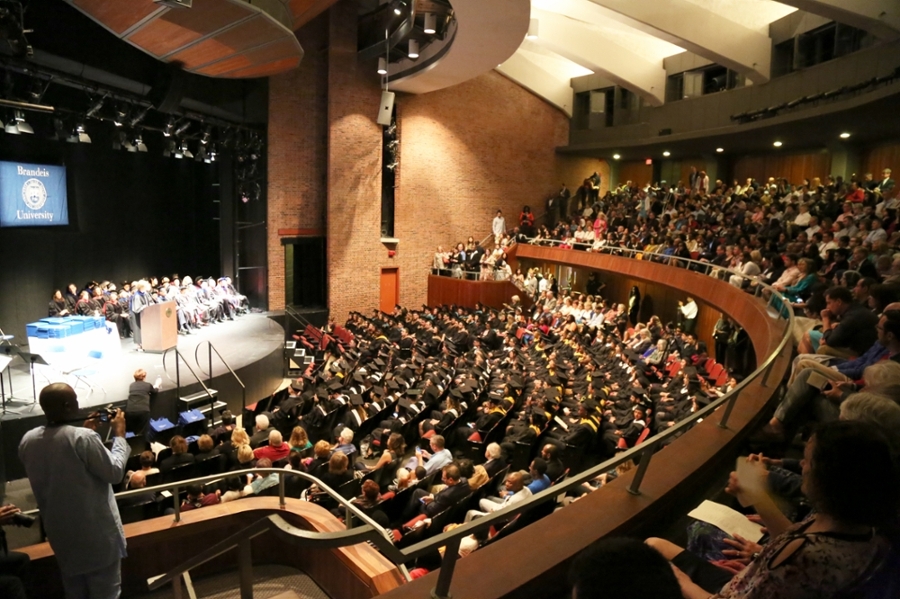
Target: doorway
[{"x": 390, "y": 289}]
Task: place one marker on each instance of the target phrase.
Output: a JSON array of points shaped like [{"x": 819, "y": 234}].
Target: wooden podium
[{"x": 159, "y": 327}]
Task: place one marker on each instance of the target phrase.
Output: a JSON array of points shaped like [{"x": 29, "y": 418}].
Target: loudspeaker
[
  {"x": 168, "y": 89},
  {"x": 386, "y": 110}
]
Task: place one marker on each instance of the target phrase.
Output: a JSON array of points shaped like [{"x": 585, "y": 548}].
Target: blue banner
[{"x": 32, "y": 195}]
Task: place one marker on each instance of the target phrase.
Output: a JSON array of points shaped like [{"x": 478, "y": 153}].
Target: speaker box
[
  {"x": 168, "y": 89},
  {"x": 386, "y": 110}
]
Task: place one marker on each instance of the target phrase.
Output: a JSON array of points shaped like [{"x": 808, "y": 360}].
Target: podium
[{"x": 159, "y": 327}]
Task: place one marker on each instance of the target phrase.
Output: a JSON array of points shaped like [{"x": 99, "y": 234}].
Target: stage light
[
  {"x": 20, "y": 124},
  {"x": 845, "y": 135},
  {"x": 95, "y": 107},
  {"x": 184, "y": 150},
  {"x": 11, "y": 127},
  {"x": 137, "y": 118},
  {"x": 430, "y": 23},
  {"x": 121, "y": 115},
  {"x": 382, "y": 66},
  {"x": 777, "y": 144},
  {"x": 616, "y": 156},
  {"x": 207, "y": 134},
  {"x": 667, "y": 153},
  {"x": 720, "y": 150},
  {"x": 212, "y": 153},
  {"x": 413, "y": 49},
  {"x": 170, "y": 127},
  {"x": 398, "y": 8},
  {"x": 138, "y": 143},
  {"x": 201, "y": 155},
  {"x": 169, "y": 149},
  {"x": 182, "y": 128},
  {"x": 533, "y": 27},
  {"x": 82, "y": 135}
]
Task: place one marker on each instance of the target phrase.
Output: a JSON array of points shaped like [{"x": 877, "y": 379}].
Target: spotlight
[
  {"x": 137, "y": 118},
  {"x": 430, "y": 23},
  {"x": 82, "y": 135},
  {"x": 720, "y": 150},
  {"x": 616, "y": 156},
  {"x": 201, "y": 155},
  {"x": 184, "y": 150},
  {"x": 182, "y": 128},
  {"x": 533, "y": 27},
  {"x": 667, "y": 153},
  {"x": 207, "y": 134},
  {"x": 170, "y": 149},
  {"x": 95, "y": 107},
  {"x": 21, "y": 125},
  {"x": 777, "y": 144},
  {"x": 413, "y": 49},
  {"x": 382, "y": 66},
  {"x": 170, "y": 127},
  {"x": 138, "y": 143},
  {"x": 212, "y": 153},
  {"x": 121, "y": 115},
  {"x": 398, "y": 8},
  {"x": 11, "y": 127},
  {"x": 845, "y": 135}
]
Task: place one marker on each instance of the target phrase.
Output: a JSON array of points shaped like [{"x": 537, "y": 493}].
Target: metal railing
[
  {"x": 178, "y": 359},
  {"x": 371, "y": 532},
  {"x": 210, "y": 349}
]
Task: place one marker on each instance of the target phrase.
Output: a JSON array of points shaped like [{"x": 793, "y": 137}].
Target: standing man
[
  {"x": 887, "y": 183},
  {"x": 139, "y": 301},
  {"x": 72, "y": 474},
  {"x": 689, "y": 315},
  {"x": 498, "y": 227},
  {"x": 137, "y": 410}
]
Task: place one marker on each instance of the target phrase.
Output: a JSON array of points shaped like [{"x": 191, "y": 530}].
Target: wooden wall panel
[
  {"x": 794, "y": 167},
  {"x": 635, "y": 171},
  {"x": 447, "y": 290},
  {"x": 876, "y": 159}
]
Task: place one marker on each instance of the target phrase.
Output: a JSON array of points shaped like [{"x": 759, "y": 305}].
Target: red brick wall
[
  {"x": 297, "y": 150},
  {"x": 464, "y": 152}
]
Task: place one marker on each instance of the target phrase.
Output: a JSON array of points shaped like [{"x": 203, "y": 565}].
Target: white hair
[
  {"x": 346, "y": 435},
  {"x": 275, "y": 438},
  {"x": 262, "y": 422},
  {"x": 493, "y": 451}
]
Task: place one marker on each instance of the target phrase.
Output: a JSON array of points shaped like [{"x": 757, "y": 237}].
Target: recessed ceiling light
[
  {"x": 777, "y": 144},
  {"x": 845, "y": 135},
  {"x": 616, "y": 156},
  {"x": 720, "y": 150},
  {"x": 667, "y": 153}
]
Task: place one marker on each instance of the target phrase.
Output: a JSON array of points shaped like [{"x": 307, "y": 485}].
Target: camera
[
  {"x": 23, "y": 520},
  {"x": 106, "y": 414}
]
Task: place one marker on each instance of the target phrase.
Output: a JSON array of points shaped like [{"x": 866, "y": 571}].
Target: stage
[{"x": 251, "y": 345}]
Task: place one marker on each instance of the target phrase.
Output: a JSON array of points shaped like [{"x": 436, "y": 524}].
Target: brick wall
[
  {"x": 297, "y": 136},
  {"x": 464, "y": 152}
]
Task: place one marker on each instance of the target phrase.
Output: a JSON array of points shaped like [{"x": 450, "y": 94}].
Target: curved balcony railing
[{"x": 369, "y": 531}]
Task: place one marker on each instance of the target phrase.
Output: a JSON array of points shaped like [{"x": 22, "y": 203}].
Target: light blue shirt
[
  {"x": 539, "y": 484},
  {"x": 72, "y": 473},
  {"x": 438, "y": 461}
]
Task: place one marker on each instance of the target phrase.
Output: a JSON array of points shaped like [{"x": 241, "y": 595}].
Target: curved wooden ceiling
[{"x": 217, "y": 38}]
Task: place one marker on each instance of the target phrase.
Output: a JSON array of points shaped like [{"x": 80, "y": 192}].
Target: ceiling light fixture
[
  {"x": 170, "y": 127},
  {"x": 845, "y": 135},
  {"x": 121, "y": 115},
  {"x": 616, "y": 156},
  {"x": 138, "y": 143},
  {"x": 777, "y": 144},
  {"x": 82, "y": 135},
  {"x": 21, "y": 125},
  {"x": 413, "y": 49},
  {"x": 533, "y": 27},
  {"x": 720, "y": 150},
  {"x": 667, "y": 153},
  {"x": 430, "y": 23},
  {"x": 382, "y": 66},
  {"x": 184, "y": 150}
]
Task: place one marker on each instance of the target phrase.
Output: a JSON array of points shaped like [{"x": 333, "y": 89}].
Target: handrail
[
  {"x": 212, "y": 349},
  {"x": 451, "y": 539},
  {"x": 179, "y": 358}
]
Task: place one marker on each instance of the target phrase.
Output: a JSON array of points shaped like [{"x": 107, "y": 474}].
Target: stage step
[
  {"x": 198, "y": 397},
  {"x": 219, "y": 405}
]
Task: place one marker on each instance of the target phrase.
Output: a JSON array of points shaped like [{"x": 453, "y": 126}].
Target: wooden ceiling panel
[
  {"x": 118, "y": 16},
  {"x": 218, "y": 69},
  {"x": 270, "y": 68},
  {"x": 248, "y": 34},
  {"x": 216, "y": 38}
]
